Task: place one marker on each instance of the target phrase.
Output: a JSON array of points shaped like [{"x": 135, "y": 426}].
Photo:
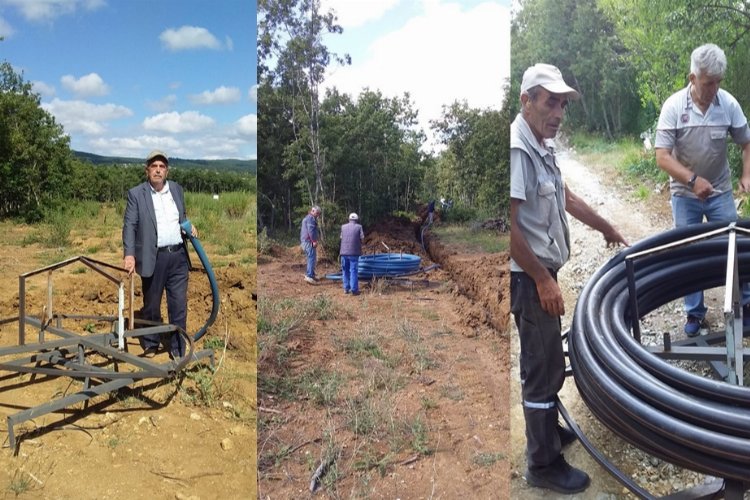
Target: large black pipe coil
[{"x": 683, "y": 418}]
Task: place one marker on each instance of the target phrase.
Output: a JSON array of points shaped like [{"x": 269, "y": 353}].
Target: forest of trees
[
  {"x": 360, "y": 153},
  {"x": 626, "y": 58},
  {"x": 38, "y": 170}
]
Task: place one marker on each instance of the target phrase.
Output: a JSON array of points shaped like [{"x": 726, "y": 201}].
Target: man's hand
[
  {"x": 702, "y": 188},
  {"x": 129, "y": 264},
  {"x": 550, "y": 296},
  {"x": 315, "y": 244},
  {"x": 613, "y": 238},
  {"x": 193, "y": 231},
  {"x": 745, "y": 183}
]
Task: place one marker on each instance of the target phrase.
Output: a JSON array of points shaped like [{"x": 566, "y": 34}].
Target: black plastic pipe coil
[{"x": 683, "y": 418}]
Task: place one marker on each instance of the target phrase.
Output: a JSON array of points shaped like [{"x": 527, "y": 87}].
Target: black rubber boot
[{"x": 558, "y": 476}]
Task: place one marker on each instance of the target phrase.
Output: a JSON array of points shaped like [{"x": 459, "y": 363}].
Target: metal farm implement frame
[{"x": 99, "y": 361}]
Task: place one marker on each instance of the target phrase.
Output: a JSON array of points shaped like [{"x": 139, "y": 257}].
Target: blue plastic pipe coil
[{"x": 384, "y": 265}]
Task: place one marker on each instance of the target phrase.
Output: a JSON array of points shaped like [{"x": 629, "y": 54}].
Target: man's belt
[{"x": 171, "y": 248}]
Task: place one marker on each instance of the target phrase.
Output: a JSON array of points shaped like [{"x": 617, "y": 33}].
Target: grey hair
[
  {"x": 315, "y": 209},
  {"x": 708, "y": 59},
  {"x": 533, "y": 92}
]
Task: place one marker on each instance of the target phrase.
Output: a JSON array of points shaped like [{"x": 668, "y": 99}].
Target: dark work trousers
[
  {"x": 170, "y": 274},
  {"x": 542, "y": 369}
]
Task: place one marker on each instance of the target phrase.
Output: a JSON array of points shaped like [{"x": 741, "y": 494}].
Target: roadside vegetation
[
  {"x": 472, "y": 238},
  {"x": 628, "y": 158}
]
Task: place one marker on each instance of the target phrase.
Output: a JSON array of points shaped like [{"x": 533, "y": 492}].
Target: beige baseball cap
[
  {"x": 156, "y": 154},
  {"x": 549, "y": 77}
]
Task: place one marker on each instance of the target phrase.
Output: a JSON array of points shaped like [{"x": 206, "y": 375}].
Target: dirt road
[{"x": 636, "y": 219}]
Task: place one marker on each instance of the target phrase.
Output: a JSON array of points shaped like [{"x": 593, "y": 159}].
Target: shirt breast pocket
[
  {"x": 546, "y": 188},
  {"x": 718, "y": 135}
]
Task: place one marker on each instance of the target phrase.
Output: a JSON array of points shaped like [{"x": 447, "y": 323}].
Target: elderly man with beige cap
[
  {"x": 154, "y": 248},
  {"x": 540, "y": 245}
]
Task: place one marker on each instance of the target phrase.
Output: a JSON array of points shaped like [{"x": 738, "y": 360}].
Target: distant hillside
[{"x": 234, "y": 165}]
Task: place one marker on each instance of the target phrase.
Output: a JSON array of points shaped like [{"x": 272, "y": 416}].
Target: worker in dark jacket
[
  {"x": 308, "y": 239},
  {"x": 351, "y": 248}
]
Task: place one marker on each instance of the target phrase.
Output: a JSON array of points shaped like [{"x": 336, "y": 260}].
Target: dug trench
[{"x": 400, "y": 392}]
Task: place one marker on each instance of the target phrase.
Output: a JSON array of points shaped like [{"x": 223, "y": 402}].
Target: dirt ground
[
  {"x": 188, "y": 437},
  {"x": 457, "y": 316},
  {"x": 635, "y": 219}
]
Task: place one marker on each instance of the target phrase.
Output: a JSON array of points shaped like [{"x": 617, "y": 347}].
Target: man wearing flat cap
[
  {"x": 540, "y": 245},
  {"x": 154, "y": 248}
]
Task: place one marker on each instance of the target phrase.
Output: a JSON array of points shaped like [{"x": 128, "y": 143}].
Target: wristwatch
[{"x": 691, "y": 182}]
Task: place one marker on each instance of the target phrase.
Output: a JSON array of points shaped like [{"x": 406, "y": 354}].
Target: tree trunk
[{"x": 606, "y": 121}]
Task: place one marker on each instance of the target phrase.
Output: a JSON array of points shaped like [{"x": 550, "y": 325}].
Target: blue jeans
[
  {"x": 311, "y": 253},
  {"x": 349, "y": 271},
  {"x": 686, "y": 211}
]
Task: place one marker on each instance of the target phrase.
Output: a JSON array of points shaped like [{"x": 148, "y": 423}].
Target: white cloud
[
  {"x": 137, "y": 147},
  {"x": 252, "y": 94},
  {"x": 48, "y": 10},
  {"x": 164, "y": 104},
  {"x": 84, "y": 117},
  {"x": 446, "y": 53},
  {"x": 229, "y": 43},
  {"x": 247, "y": 126},
  {"x": 6, "y": 30},
  {"x": 44, "y": 89},
  {"x": 175, "y": 123},
  {"x": 353, "y": 13},
  {"x": 203, "y": 146},
  {"x": 216, "y": 147},
  {"x": 189, "y": 37},
  {"x": 221, "y": 95},
  {"x": 86, "y": 86}
]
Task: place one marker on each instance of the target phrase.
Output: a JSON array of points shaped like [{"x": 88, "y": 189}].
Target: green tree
[
  {"x": 35, "y": 158},
  {"x": 581, "y": 41},
  {"x": 474, "y": 168},
  {"x": 660, "y": 37},
  {"x": 290, "y": 32}
]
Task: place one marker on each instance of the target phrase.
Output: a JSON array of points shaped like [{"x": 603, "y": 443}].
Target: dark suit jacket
[{"x": 139, "y": 229}]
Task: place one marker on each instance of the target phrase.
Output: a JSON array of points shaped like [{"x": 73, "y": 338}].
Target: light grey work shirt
[
  {"x": 699, "y": 141},
  {"x": 536, "y": 179}
]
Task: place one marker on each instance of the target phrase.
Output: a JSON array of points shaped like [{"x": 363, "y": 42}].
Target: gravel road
[{"x": 636, "y": 220}]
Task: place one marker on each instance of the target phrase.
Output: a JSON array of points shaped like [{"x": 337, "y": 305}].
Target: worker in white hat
[
  {"x": 540, "y": 245},
  {"x": 352, "y": 236}
]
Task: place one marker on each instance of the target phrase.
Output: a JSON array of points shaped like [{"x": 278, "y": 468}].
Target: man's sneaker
[
  {"x": 693, "y": 326},
  {"x": 310, "y": 280},
  {"x": 567, "y": 436},
  {"x": 355, "y": 292},
  {"x": 558, "y": 476}
]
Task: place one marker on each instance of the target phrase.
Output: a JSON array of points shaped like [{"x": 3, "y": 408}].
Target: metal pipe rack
[{"x": 100, "y": 362}]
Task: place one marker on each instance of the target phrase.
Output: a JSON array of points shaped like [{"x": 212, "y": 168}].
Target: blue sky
[
  {"x": 127, "y": 76},
  {"x": 437, "y": 50}
]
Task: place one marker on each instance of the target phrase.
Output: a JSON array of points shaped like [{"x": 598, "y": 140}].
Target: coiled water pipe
[{"x": 691, "y": 421}]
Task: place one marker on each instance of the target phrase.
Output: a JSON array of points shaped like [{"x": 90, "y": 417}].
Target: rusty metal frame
[{"x": 67, "y": 353}]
